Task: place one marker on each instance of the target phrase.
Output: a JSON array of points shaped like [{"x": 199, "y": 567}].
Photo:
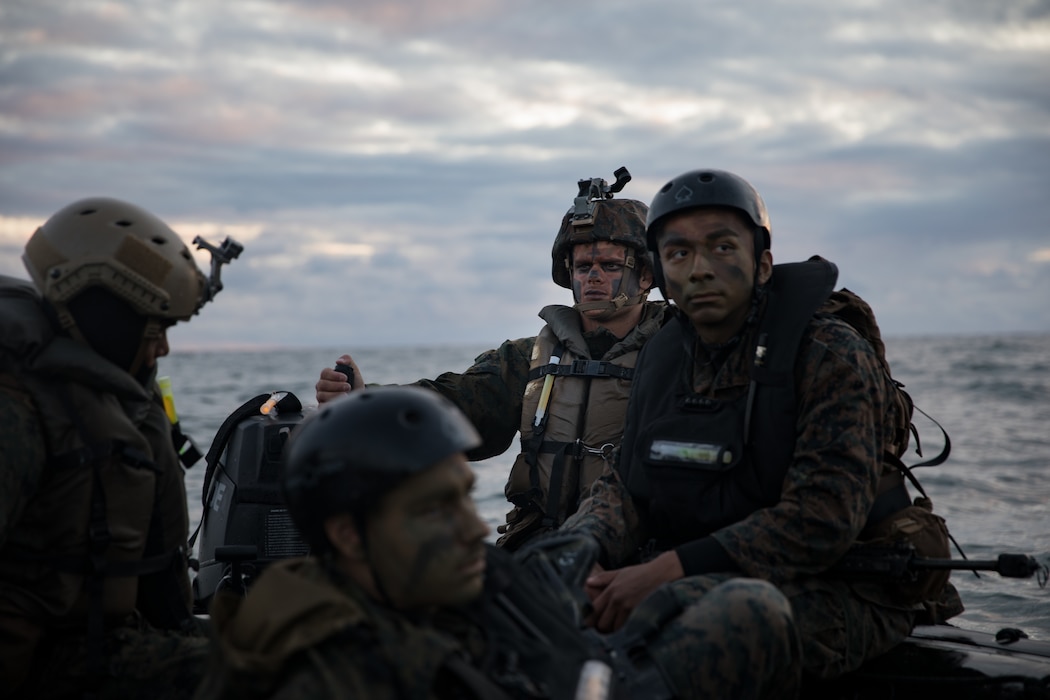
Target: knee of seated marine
[{"x": 753, "y": 604}]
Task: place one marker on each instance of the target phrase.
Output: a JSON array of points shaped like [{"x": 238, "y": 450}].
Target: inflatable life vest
[
  {"x": 102, "y": 534},
  {"x": 571, "y": 422},
  {"x": 245, "y": 524}
]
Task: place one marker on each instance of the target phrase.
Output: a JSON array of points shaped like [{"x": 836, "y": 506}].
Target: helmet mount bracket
[
  {"x": 595, "y": 190},
  {"x": 221, "y": 255}
]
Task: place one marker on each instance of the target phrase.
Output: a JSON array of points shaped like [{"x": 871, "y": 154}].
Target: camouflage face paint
[
  {"x": 426, "y": 545},
  {"x": 707, "y": 262},
  {"x": 598, "y": 270}
]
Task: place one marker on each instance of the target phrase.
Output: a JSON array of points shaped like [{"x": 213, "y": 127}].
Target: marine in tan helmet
[
  {"x": 94, "y": 585},
  {"x": 564, "y": 390}
]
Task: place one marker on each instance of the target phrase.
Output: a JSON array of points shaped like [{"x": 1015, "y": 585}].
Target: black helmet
[
  {"x": 706, "y": 188},
  {"x": 345, "y": 457}
]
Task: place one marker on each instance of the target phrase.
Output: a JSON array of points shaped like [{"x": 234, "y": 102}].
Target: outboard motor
[{"x": 243, "y": 503}]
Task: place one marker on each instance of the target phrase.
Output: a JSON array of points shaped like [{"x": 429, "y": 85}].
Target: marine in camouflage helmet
[{"x": 595, "y": 216}]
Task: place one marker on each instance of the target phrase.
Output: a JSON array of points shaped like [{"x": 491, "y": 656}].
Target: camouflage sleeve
[
  {"x": 490, "y": 394},
  {"x": 610, "y": 516},
  {"x": 23, "y": 454},
  {"x": 830, "y": 486}
]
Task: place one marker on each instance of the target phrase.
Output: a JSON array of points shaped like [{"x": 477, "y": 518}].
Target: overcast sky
[{"x": 397, "y": 170}]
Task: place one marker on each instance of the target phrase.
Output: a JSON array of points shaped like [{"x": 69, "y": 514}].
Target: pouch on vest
[
  {"x": 683, "y": 459},
  {"x": 918, "y": 526}
]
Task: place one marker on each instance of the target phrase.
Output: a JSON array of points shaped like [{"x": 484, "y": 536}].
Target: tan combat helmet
[
  {"x": 124, "y": 249},
  {"x": 596, "y": 216}
]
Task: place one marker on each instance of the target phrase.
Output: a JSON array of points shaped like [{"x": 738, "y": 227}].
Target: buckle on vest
[
  {"x": 605, "y": 451},
  {"x": 588, "y": 367}
]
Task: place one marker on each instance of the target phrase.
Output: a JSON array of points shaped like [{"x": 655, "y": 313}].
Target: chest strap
[
  {"x": 89, "y": 566},
  {"x": 583, "y": 368},
  {"x": 100, "y": 450}
]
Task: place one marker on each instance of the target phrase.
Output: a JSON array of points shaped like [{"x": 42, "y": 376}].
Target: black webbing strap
[
  {"x": 583, "y": 368},
  {"x": 892, "y": 497},
  {"x": 288, "y": 404},
  {"x": 84, "y": 566},
  {"x": 98, "y": 450},
  {"x": 945, "y": 451}
]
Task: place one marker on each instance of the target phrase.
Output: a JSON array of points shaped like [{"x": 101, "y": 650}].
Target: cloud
[{"x": 407, "y": 163}]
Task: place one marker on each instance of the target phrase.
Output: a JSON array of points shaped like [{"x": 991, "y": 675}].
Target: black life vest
[{"x": 699, "y": 463}]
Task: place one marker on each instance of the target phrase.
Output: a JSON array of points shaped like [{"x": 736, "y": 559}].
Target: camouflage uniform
[
  {"x": 491, "y": 391},
  {"x": 299, "y": 634},
  {"x": 44, "y": 614},
  {"x": 304, "y": 631},
  {"x": 844, "y": 422}
]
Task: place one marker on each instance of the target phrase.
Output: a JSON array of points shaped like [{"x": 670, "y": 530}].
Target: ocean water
[{"x": 991, "y": 394}]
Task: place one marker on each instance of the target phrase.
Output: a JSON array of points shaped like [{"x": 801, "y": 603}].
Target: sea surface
[{"x": 990, "y": 393}]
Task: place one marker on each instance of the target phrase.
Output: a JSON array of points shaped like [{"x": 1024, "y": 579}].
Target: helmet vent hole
[
  {"x": 157, "y": 240},
  {"x": 412, "y": 417},
  {"x": 706, "y": 177},
  {"x": 88, "y": 212},
  {"x": 666, "y": 187},
  {"x": 123, "y": 223}
]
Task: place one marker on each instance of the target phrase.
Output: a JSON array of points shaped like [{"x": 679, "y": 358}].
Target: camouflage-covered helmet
[
  {"x": 615, "y": 220},
  {"x": 126, "y": 250},
  {"x": 345, "y": 457},
  {"x": 707, "y": 188}
]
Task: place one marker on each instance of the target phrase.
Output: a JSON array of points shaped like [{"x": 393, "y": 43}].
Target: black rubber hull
[{"x": 943, "y": 661}]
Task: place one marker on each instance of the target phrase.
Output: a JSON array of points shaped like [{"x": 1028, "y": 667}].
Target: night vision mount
[
  {"x": 220, "y": 255},
  {"x": 595, "y": 190}
]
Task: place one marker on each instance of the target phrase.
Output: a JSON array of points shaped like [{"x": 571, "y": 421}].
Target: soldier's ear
[
  {"x": 342, "y": 533},
  {"x": 765, "y": 266}
]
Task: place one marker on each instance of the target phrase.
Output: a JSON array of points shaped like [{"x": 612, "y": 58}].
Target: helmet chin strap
[{"x": 614, "y": 304}]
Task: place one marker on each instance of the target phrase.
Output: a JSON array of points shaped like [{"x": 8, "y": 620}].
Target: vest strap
[
  {"x": 89, "y": 566},
  {"x": 583, "y": 368},
  {"x": 892, "y": 497},
  {"x": 100, "y": 450}
]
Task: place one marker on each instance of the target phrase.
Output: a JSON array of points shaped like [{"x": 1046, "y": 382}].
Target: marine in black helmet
[
  {"x": 565, "y": 390},
  {"x": 94, "y": 585},
  {"x": 761, "y": 441},
  {"x": 402, "y": 598}
]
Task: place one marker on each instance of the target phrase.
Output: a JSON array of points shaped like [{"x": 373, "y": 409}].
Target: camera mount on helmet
[
  {"x": 223, "y": 254},
  {"x": 594, "y": 190}
]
